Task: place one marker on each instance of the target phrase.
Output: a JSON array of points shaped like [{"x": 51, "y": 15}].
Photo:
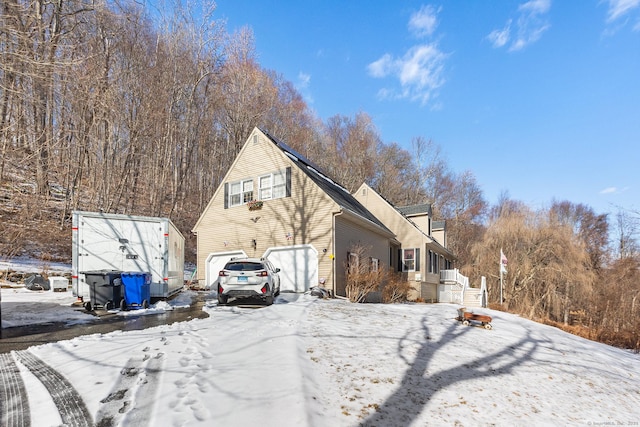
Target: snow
[
  {"x": 306, "y": 361},
  {"x": 22, "y": 307},
  {"x": 31, "y": 265}
]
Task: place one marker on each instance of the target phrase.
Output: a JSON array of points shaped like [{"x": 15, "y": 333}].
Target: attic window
[
  {"x": 255, "y": 139},
  {"x": 272, "y": 186},
  {"x": 240, "y": 192}
]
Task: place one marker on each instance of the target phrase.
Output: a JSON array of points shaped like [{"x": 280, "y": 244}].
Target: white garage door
[
  {"x": 215, "y": 262},
  {"x": 298, "y": 266}
]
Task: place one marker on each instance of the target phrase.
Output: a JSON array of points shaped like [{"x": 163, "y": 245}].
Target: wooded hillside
[{"x": 110, "y": 106}]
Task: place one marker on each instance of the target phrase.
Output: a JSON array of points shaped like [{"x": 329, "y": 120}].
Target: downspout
[{"x": 333, "y": 251}]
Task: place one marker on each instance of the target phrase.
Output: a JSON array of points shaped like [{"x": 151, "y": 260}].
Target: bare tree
[
  {"x": 396, "y": 177},
  {"x": 627, "y": 229},
  {"x": 351, "y": 146},
  {"x": 247, "y": 92},
  {"x": 548, "y": 274},
  {"x": 591, "y": 228}
]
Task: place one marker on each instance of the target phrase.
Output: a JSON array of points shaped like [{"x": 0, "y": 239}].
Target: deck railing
[{"x": 454, "y": 276}]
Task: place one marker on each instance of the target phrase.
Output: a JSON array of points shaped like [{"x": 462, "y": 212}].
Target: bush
[
  {"x": 362, "y": 277},
  {"x": 396, "y": 289},
  {"x": 361, "y": 283}
]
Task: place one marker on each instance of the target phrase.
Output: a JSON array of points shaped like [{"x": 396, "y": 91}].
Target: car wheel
[
  {"x": 269, "y": 300},
  {"x": 277, "y": 292},
  {"x": 108, "y": 305},
  {"x": 123, "y": 305},
  {"x": 222, "y": 299},
  {"x": 87, "y": 306}
]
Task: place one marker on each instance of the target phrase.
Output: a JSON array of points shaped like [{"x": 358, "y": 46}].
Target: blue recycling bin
[{"x": 137, "y": 289}]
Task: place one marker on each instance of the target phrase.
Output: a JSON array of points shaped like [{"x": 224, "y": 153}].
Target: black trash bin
[{"x": 105, "y": 289}]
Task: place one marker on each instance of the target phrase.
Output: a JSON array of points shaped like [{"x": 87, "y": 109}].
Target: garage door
[
  {"x": 298, "y": 266},
  {"x": 215, "y": 262}
]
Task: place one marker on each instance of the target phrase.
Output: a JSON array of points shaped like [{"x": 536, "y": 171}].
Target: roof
[
  {"x": 438, "y": 225},
  {"x": 338, "y": 193},
  {"x": 416, "y": 209},
  {"x": 424, "y": 208}
]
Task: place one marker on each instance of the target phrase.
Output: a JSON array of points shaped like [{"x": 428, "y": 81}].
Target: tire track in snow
[
  {"x": 146, "y": 393},
  {"x": 133, "y": 395},
  {"x": 72, "y": 409},
  {"x": 14, "y": 402}
]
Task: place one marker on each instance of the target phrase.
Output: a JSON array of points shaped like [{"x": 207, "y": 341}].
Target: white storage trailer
[{"x": 128, "y": 243}]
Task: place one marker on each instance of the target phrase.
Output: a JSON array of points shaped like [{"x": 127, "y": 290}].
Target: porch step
[{"x": 472, "y": 297}]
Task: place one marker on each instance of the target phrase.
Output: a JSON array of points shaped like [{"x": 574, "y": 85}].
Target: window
[
  {"x": 434, "y": 262},
  {"x": 374, "y": 264},
  {"x": 409, "y": 259},
  {"x": 240, "y": 192},
  {"x": 272, "y": 186},
  {"x": 353, "y": 263}
]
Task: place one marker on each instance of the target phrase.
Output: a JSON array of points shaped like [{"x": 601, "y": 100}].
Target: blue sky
[{"x": 540, "y": 99}]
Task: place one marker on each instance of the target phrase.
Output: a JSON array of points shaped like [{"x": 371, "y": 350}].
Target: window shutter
[
  {"x": 288, "y": 181},
  {"x": 399, "y": 259},
  {"x": 417, "y": 259},
  {"x": 226, "y": 195}
]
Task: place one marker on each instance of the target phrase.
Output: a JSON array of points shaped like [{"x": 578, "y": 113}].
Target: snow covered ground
[{"x": 305, "y": 361}]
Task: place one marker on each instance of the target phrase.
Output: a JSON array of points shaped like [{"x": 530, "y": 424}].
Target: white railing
[
  {"x": 454, "y": 277},
  {"x": 448, "y": 276}
]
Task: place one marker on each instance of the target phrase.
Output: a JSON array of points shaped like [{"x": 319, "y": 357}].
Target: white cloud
[
  {"x": 385, "y": 94},
  {"x": 302, "y": 85},
  {"x": 303, "y": 79},
  {"x": 535, "y": 7},
  {"x": 423, "y": 22},
  {"x": 619, "y": 8},
  {"x": 422, "y": 67},
  {"x": 614, "y": 190},
  {"x": 381, "y": 67},
  {"x": 609, "y": 190},
  {"x": 529, "y": 27},
  {"x": 620, "y": 13},
  {"x": 499, "y": 38},
  {"x": 420, "y": 71}
]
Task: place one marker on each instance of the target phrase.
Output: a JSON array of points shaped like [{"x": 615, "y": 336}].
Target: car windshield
[{"x": 244, "y": 266}]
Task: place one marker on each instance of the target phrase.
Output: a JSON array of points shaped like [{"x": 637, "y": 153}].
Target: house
[
  {"x": 275, "y": 203},
  {"x": 423, "y": 253}
]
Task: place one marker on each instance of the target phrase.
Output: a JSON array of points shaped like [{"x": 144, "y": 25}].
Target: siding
[
  {"x": 407, "y": 234},
  {"x": 439, "y": 236},
  {"x": 303, "y": 218},
  {"x": 350, "y": 234}
]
